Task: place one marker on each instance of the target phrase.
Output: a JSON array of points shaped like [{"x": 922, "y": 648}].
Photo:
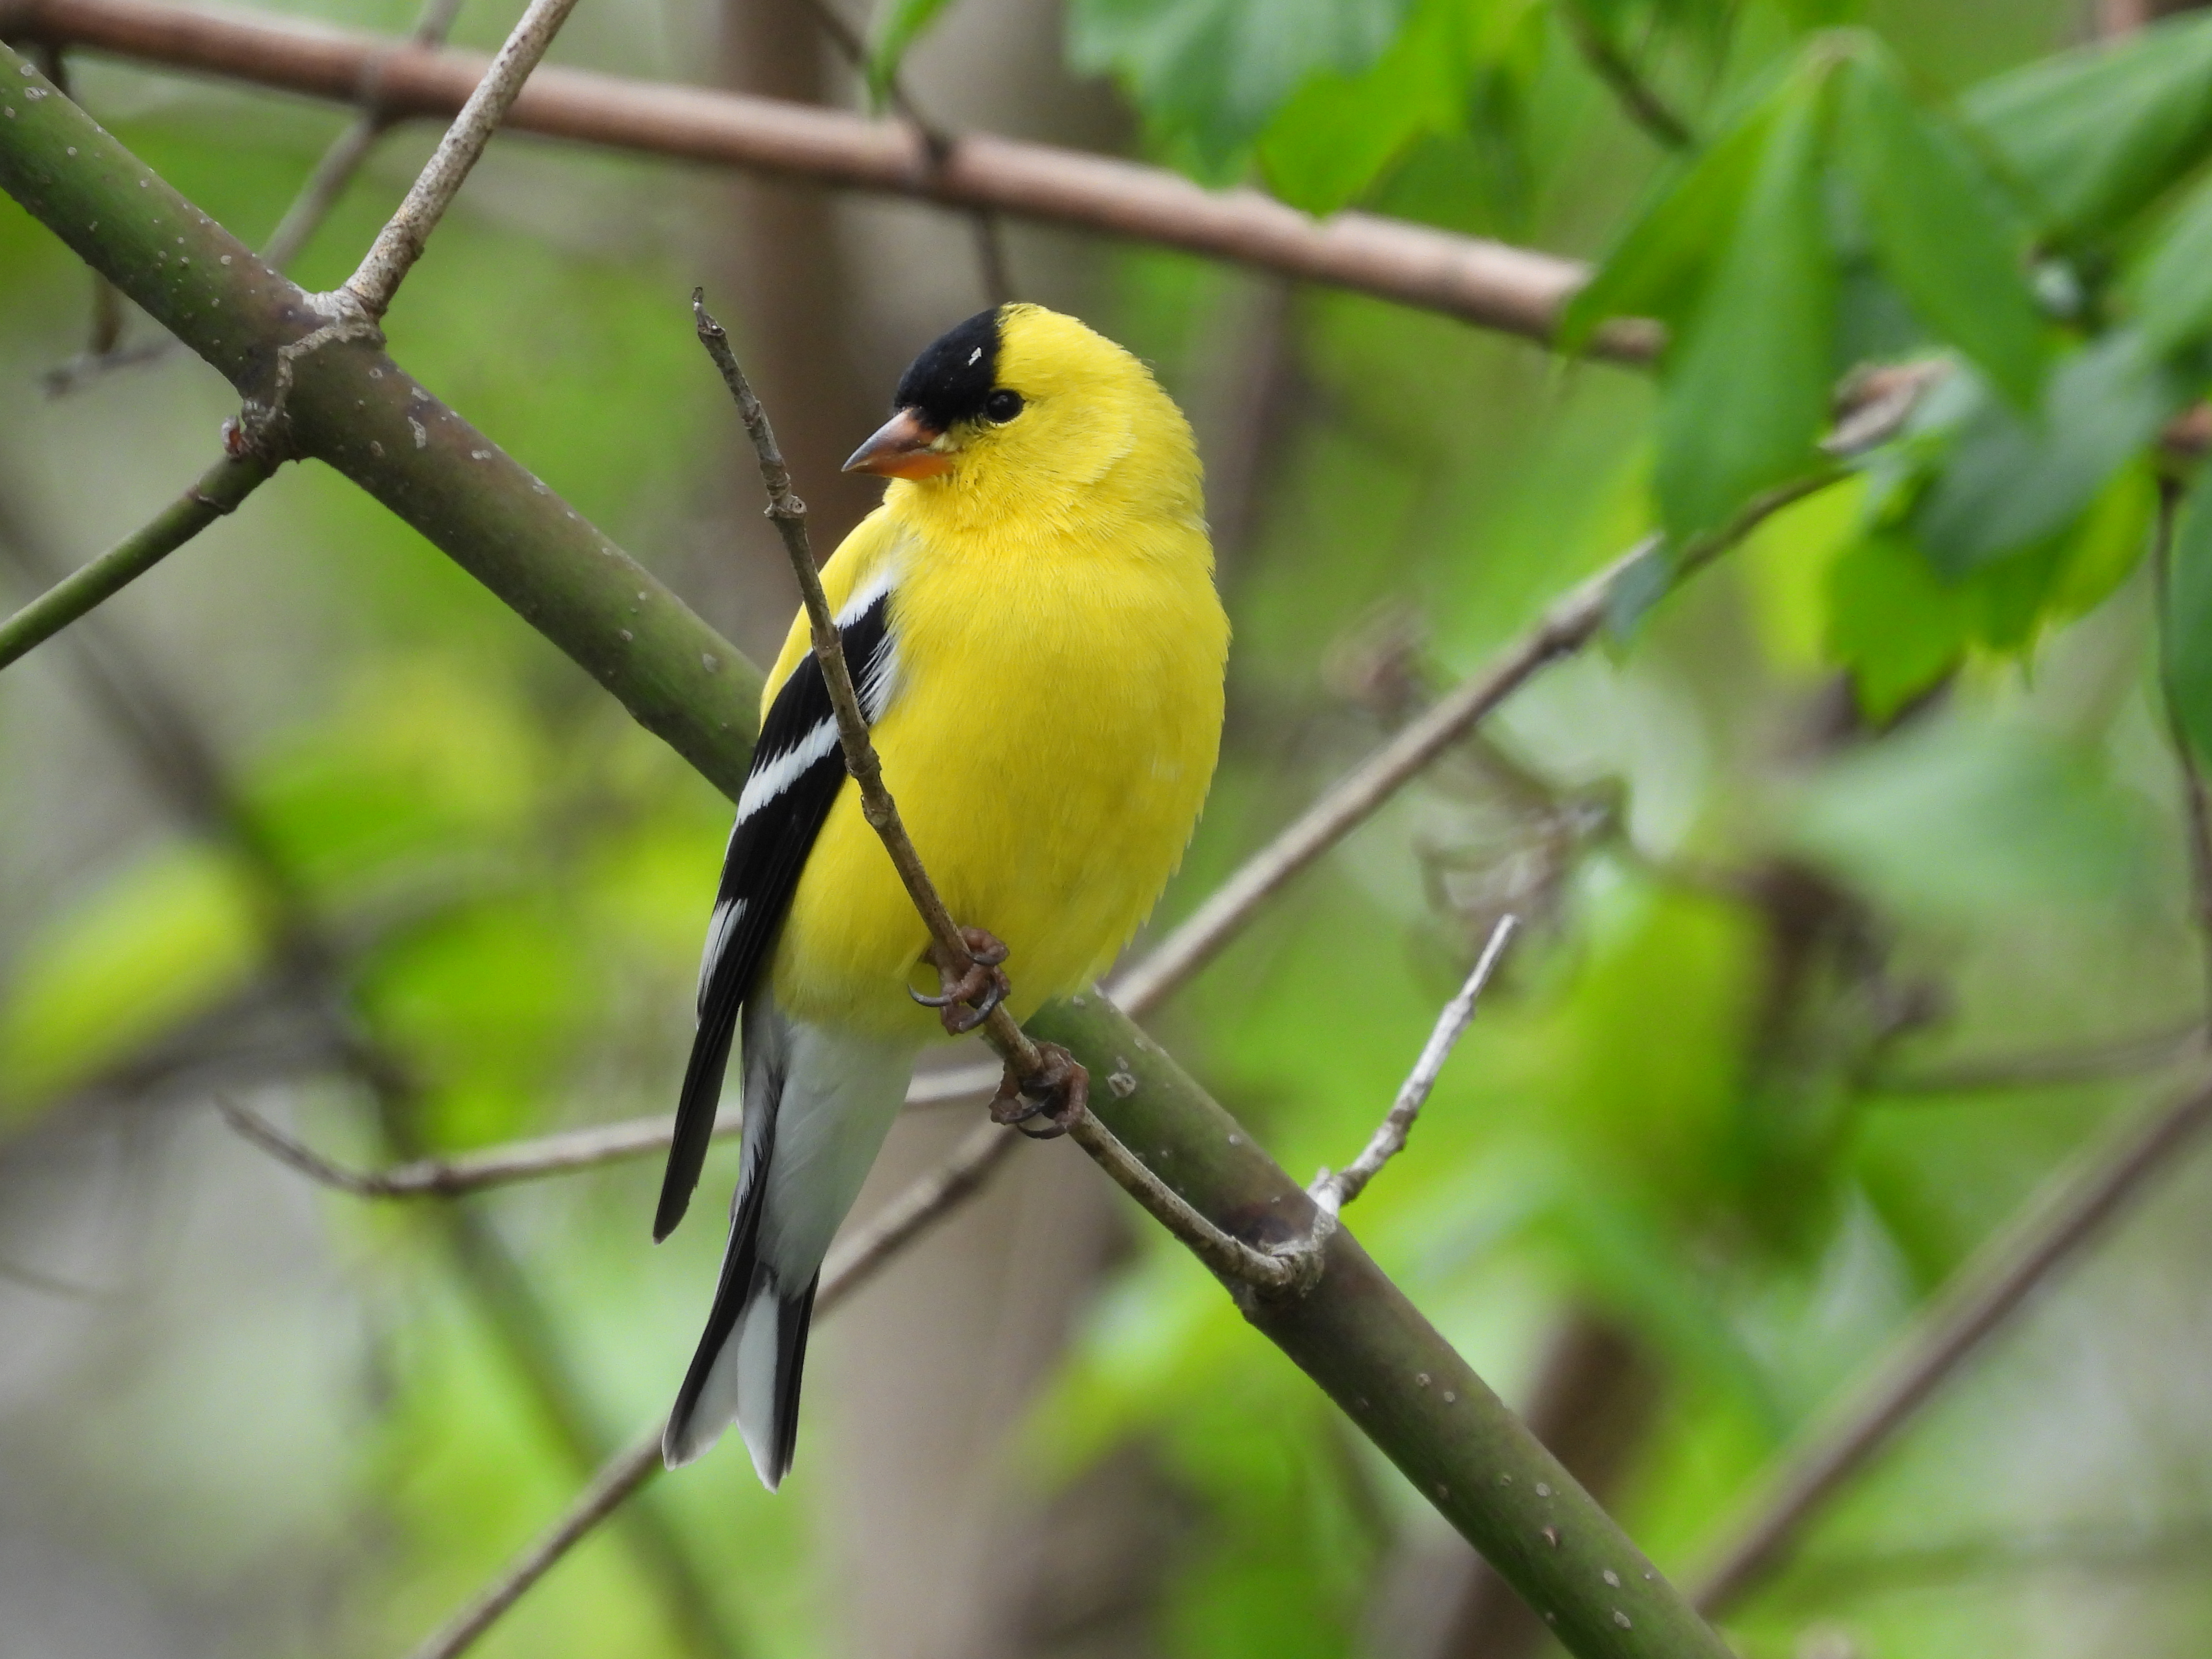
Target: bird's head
[{"x": 1023, "y": 409}]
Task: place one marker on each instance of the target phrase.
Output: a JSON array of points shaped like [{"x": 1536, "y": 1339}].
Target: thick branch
[
  {"x": 219, "y": 491},
  {"x": 1489, "y": 283}
]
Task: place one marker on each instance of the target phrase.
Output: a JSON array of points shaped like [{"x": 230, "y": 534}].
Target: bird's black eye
[{"x": 1003, "y": 405}]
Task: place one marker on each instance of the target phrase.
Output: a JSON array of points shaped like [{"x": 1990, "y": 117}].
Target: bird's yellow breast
[{"x": 1054, "y": 729}]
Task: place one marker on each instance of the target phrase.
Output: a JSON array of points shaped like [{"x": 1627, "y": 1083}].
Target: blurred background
[{"x": 1819, "y": 986}]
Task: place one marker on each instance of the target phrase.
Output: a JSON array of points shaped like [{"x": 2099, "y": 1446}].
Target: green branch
[
  {"x": 218, "y": 492},
  {"x": 348, "y": 405}
]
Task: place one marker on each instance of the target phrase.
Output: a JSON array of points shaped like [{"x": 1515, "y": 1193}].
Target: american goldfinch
[{"x": 1030, "y": 621}]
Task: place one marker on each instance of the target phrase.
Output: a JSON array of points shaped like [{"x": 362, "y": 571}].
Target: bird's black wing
[{"x": 798, "y": 768}]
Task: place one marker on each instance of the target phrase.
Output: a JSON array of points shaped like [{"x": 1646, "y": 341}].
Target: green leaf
[
  {"x": 2010, "y": 481},
  {"x": 1662, "y": 260},
  {"x": 1937, "y": 230},
  {"x": 1209, "y": 75},
  {"x": 1900, "y": 624},
  {"x": 1340, "y": 132},
  {"x": 2095, "y": 134},
  {"x": 1894, "y": 623},
  {"x": 897, "y": 26},
  {"x": 2174, "y": 293},
  {"x": 2188, "y": 632},
  {"x": 1746, "y": 386}
]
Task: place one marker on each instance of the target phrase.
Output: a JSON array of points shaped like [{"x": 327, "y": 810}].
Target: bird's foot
[
  {"x": 966, "y": 997},
  {"x": 1047, "y": 1103}
]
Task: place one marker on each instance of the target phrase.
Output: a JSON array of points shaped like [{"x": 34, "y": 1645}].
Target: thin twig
[
  {"x": 401, "y": 242},
  {"x": 1980, "y": 1297},
  {"x": 219, "y": 491},
  {"x": 1226, "y": 1254},
  {"x": 926, "y": 1200},
  {"x": 1333, "y": 1192}
]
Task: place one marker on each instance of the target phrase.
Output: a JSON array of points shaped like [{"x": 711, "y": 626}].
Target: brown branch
[
  {"x": 1991, "y": 1286},
  {"x": 1227, "y": 1255},
  {"x": 1489, "y": 283},
  {"x": 926, "y": 1200}
]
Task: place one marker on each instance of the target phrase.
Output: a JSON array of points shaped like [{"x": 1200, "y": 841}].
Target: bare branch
[
  {"x": 1491, "y": 284},
  {"x": 1980, "y": 1297},
  {"x": 1333, "y": 1192},
  {"x": 926, "y": 1200},
  {"x": 401, "y": 242},
  {"x": 219, "y": 491}
]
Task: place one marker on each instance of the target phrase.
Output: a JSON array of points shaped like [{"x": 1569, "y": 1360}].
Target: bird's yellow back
[{"x": 1054, "y": 722}]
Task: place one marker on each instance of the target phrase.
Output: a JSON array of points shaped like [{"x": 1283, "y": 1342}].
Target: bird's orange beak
[{"x": 902, "y": 447}]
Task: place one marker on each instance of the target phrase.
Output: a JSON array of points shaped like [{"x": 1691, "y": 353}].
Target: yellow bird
[{"x": 1031, "y": 620}]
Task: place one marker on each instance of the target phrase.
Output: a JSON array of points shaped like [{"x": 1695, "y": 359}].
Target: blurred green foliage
[{"x": 1888, "y": 787}]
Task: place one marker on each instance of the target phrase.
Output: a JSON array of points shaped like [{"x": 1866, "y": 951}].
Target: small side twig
[
  {"x": 401, "y": 242},
  {"x": 1331, "y": 1192},
  {"x": 1227, "y": 1255},
  {"x": 218, "y": 492}
]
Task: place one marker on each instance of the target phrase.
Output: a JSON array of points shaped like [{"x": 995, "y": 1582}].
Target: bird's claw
[
  {"x": 1047, "y": 1104},
  {"x": 965, "y": 1001}
]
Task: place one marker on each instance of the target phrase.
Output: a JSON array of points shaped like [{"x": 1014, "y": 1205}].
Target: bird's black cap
[{"x": 953, "y": 376}]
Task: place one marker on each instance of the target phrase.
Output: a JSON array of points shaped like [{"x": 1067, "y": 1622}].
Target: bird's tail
[
  {"x": 817, "y": 1105},
  {"x": 748, "y": 1366}
]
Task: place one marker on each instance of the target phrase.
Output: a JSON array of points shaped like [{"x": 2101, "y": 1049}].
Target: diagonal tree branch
[{"x": 1489, "y": 283}]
